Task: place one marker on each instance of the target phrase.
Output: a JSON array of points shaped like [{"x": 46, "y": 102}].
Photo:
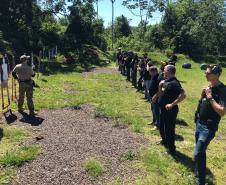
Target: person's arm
[
  {"x": 14, "y": 73},
  {"x": 218, "y": 108},
  {"x": 147, "y": 67},
  {"x": 155, "y": 97},
  {"x": 179, "y": 99},
  {"x": 32, "y": 73}
]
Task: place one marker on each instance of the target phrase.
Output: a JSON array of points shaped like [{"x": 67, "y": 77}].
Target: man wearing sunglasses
[{"x": 211, "y": 107}]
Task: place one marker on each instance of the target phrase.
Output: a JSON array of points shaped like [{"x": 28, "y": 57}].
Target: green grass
[
  {"x": 94, "y": 168},
  {"x": 6, "y": 174},
  {"x": 11, "y": 136},
  {"x": 115, "y": 182},
  {"x": 17, "y": 158},
  {"x": 14, "y": 134},
  {"x": 129, "y": 156},
  {"x": 12, "y": 154}
]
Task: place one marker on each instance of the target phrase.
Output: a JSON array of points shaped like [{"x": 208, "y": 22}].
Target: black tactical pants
[{"x": 167, "y": 127}]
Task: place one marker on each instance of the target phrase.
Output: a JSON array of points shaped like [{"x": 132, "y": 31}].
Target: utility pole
[
  {"x": 97, "y": 8},
  {"x": 112, "y": 38}
]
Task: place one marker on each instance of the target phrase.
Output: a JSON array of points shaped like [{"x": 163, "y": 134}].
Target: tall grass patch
[
  {"x": 94, "y": 168},
  {"x": 17, "y": 158}
]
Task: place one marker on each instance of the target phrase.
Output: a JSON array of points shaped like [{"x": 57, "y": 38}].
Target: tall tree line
[
  {"x": 27, "y": 25},
  {"x": 187, "y": 26}
]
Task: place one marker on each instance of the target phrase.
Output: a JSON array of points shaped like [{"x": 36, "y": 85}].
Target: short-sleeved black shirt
[
  {"x": 169, "y": 92},
  {"x": 206, "y": 111},
  {"x": 160, "y": 77},
  {"x": 118, "y": 55},
  {"x": 142, "y": 66},
  {"x": 128, "y": 61},
  {"x": 154, "y": 85},
  {"x": 147, "y": 76},
  {"x": 133, "y": 64}
]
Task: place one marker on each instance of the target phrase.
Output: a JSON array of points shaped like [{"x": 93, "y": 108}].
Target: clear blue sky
[{"x": 105, "y": 13}]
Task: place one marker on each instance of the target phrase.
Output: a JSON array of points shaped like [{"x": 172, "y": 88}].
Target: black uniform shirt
[
  {"x": 133, "y": 64},
  {"x": 169, "y": 92},
  {"x": 206, "y": 112},
  {"x": 142, "y": 66},
  {"x": 160, "y": 77},
  {"x": 147, "y": 76},
  {"x": 154, "y": 85},
  {"x": 118, "y": 55},
  {"x": 128, "y": 61}
]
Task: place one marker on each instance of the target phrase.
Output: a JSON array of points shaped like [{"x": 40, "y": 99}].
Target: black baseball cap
[{"x": 215, "y": 69}]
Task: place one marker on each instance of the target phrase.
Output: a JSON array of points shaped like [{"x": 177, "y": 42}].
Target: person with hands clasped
[
  {"x": 211, "y": 108},
  {"x": 170, "y": 94}
]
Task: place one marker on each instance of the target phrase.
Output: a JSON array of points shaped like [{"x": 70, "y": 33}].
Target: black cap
[{"x": 215, "y": 69}]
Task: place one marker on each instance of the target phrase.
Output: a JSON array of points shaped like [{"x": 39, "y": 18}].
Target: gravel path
[{"x": 69, "y": 138}]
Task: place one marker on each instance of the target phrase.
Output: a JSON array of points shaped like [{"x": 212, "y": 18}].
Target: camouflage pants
[{"x": 26, "y": 87}]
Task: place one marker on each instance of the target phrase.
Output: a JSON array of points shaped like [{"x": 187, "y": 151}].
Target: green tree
[
  {"x": 142, "y": 9},
  {"x": 83, "y": 27},
  {"x": 194, "y": 27},
  {"x": 122, "y": 27}
]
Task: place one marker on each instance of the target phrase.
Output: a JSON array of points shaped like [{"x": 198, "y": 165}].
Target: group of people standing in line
[{"x": 164, "y": 92}]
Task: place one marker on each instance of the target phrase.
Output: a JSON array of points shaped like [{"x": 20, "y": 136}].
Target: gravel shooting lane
[{"x": 69, "y": 136}]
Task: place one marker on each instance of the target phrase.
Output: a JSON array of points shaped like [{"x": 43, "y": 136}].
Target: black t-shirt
[
  {"x": 173, "y": 58},
  {"x": 128, "y": 61},
  {"x": 147, "y": 76},
  {"x": 206, "y": 113},
  {"x": 133, "y": 64},
  {"x": 154, "y": 85},
  {"x": 118, "y": 55},
  {"x": 169, "y": 92},
  {"x": 160, "y": 77},
  {"x": 142, "y": 66}
]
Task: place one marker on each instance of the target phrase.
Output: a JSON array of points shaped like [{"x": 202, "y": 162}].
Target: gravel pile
[{"x": 70, "y": 136}]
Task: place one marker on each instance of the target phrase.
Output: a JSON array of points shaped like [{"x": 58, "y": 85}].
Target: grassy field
[{"x": 64, "y": 86}]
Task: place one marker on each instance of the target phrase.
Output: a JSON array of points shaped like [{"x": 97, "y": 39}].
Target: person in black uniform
[
  {"x": 154, "y": 98},
  {"x": 171, "y": 93},
  {"x": 153, "y": 90},
  {"x": 141, "y": 69},
  {"x": 118, "y": 57},
  {"x": 128, "y": 64},
  {"x": 134, "y": 65},
  {"x": 173, "y": 59},
  {"x": 211, "y": 107},
  {"x": 123, "y": 63}
]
